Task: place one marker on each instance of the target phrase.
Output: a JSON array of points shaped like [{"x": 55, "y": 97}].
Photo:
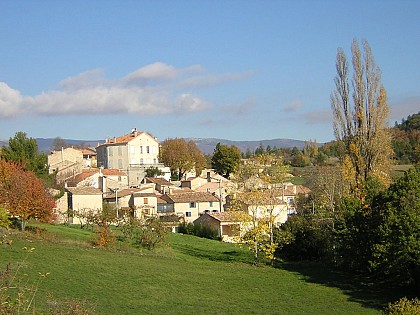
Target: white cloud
[
  {"x": 210, "y": 80},
  {"x": 293, "y": 107},
  {"x": 240, "y": 109},
  {"x": 154, "y": 89}
]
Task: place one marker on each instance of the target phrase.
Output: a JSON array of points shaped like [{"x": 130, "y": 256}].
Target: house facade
[
  {"x": 229, "y": 225},
  {"x": 133, "y": 152},
  {"x": 81, "y": 201},
  {"x": 190, "y": 205},
  {"x": 65, "y": 163}
]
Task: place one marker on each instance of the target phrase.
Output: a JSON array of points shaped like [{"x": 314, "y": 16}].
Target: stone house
[
  {"x": 134, "y": 152},
  {"x": 190, "y": 205},
  {"x": 81, "y": 201}
]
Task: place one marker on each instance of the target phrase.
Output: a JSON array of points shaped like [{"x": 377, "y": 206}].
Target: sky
[{"x": 236, "y": 70}]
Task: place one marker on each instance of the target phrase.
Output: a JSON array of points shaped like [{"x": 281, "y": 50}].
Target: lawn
[{"x": 188, "y": 276}]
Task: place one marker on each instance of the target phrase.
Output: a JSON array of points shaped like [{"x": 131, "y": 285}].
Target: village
[{"x": 115, "y": 175}]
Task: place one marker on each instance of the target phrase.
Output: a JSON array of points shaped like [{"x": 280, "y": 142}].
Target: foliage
[
  {"x": 182, "y": 157},
  {"x": 403, "y": 306},
  {"x": 104, "y": 235},
  {"x": 24, "y": 195},
  {"x": 299, "y": 159},
  {"x": 360, "y": 112},
  {"x": 4, "y": 218},
  {"x": 396, "y": 214},
  {"x": 406, "y": 140},
  {"x": 24, "y": 151},
  {"x": 200, "y": 230},
  {"x": 149, "y": 233},
  {"x": 327, "y": 189},
  {"x": 153, "y": 171},
  {"x": 225, "y": 159},
  {"x": 258, "y": 192},
  {"x": 305, "y": 237}
]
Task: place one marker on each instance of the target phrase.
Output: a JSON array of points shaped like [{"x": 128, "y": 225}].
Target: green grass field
[{"x": 188, "y": 276}]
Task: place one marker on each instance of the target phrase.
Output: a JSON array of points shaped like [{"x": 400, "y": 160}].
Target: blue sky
[{"x": 237, "y": 70}]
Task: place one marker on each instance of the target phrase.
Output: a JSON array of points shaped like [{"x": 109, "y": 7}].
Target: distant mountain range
[{"x": 206, "y": 145}]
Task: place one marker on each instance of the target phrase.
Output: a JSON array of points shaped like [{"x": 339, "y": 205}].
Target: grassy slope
[{"x": 191, "y": 276}]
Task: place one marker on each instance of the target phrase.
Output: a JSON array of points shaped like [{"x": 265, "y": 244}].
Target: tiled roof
[
  {"x": 228, "y": 216},
  {"x": 109, "y": 172},
  {"x": 140, "y": 194},
  {"x": 209, "y": 185},
  {"x": 123, "y": 193},
  {"x": 88, "y": 151},
  {"x": 160, "y": 200},
  {"x": 158, "y": 180},
  {"x": 190, "y": 197},
  {"x": 126, "y": 138},
  {"x": 88, "y": 173},
  {"x": 84, "y": 191}
]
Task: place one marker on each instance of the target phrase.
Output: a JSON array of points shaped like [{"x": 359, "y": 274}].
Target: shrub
[
  {"x": 199, "y": 230},
  {"x": 149, "y": 233},
  {"x": 305, "y": 238},
  {"x": 206, "y": 231},
  {"x": 403, "y": 306}
]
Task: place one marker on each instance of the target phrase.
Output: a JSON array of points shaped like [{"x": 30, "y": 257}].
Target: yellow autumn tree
[{"x": 360, "y": 118}]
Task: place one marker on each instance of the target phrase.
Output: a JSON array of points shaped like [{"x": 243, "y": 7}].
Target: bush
[
  {"x": 149, "y": 233},
  {"x": 4, "y": 219},
  {"x": 206, "y": 231},
  {"x": 305, "y": 238},
  {"x": 403, "y": 306},
  {"x": 199, "y": 230}
]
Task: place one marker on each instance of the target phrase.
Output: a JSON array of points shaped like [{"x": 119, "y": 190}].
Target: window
[
  {"x": 120, "y": 150},
  {"x": 192, "y": 204},
  {"x": 154, "y": 161},
  {"x": 141, "y": 161},
  {"x": 146, "y": 211},
  {"x": 110, "y": 164},
  {"x": 120, "y": 166},
  {"x": 147, "y": 149},
  {"x": 211, "y": 203},
  {"x": 145, "y": 201},
  {"x": 188, "y": 214},
  {"x": 141, "y": 150},
  {"x": 110, "y": 151},
  {"x": 119, "y": 178},
  {"x": 215, "y": 211}
]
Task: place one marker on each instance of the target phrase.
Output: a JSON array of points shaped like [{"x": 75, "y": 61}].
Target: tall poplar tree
[{"x": 360, "y": 117}]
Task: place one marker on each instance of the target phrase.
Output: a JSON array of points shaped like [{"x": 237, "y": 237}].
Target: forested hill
[{"x": 406, "y": 139}]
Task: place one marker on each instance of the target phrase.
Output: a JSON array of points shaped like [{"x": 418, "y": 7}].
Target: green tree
[
  {"x": 24, "y": 150},
  {"x": 225, "y": 159},
  {"x": 396, "y": 252},
  {"x": 153, "y": 171},
  {"x": 360, "y": 114}
]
